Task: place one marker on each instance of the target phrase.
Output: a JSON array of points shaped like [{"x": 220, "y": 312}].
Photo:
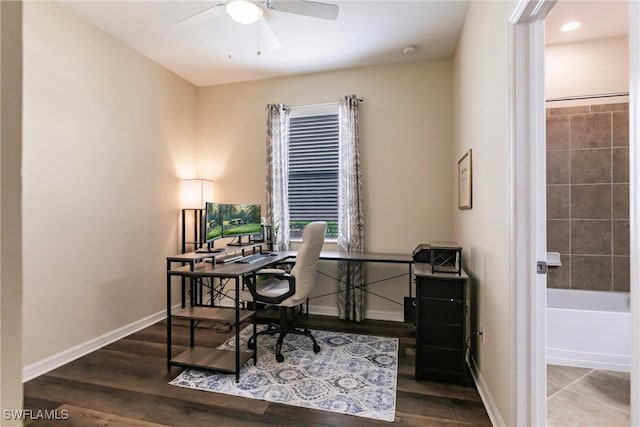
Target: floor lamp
[{"x": 194, "y": 194}]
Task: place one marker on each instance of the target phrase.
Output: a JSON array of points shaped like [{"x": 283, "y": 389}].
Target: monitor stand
[
  {"x": 239, "y": 242},
  {"x": 209, "y": 249}
]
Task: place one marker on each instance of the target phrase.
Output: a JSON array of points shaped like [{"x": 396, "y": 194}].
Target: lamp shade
[{"x": 196, "y": 192}]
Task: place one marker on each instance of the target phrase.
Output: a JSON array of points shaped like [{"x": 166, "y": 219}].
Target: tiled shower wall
[{"x": 588, "y": 196}]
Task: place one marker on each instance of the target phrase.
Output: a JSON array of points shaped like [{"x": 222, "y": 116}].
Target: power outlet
[{"x": 480, "y": 333}]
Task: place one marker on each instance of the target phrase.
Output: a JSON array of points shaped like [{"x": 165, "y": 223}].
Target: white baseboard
[
  {"x": 485, "y": 396},
  {"x": 579, "y": 359},
  {"x": 323, "y": 311},
  {"x": 42, "y": 367}
]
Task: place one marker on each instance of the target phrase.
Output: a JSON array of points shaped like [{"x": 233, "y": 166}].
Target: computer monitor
[
  {"x": 240, "y": 220},
  {"x": 212, "y": 226}
]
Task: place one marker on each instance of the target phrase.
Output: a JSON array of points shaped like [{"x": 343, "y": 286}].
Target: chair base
[{"x": 285, "y": 326}]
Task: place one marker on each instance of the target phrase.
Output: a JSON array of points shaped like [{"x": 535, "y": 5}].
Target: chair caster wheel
[
  {"x": 316, "y": 348},
  {"x": 279, "y": 358}
]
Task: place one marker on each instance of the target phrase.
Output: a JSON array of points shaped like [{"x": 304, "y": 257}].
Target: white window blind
[{"x": 313, "y": 171}]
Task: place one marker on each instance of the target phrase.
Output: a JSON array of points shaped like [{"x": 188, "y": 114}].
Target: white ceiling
[
  {"x": 599, "y": 20},
  {"x": 367, "y": 32}
]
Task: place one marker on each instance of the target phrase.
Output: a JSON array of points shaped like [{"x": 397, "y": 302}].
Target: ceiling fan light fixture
[{"x": 243, "y": 11}]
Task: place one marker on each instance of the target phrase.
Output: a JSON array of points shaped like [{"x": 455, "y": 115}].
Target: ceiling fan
[{"x": 249, "y": 12}]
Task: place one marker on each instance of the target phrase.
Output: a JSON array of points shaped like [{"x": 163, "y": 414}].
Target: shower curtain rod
[{"x": 603, "y": 95}]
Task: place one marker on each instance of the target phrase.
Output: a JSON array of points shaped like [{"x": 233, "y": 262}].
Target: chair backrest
[{"x": 307, "y": 258}]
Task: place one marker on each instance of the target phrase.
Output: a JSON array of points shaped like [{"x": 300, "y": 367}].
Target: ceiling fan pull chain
[
  {"x": 229, "y": 38},
  {"x": 259, "y": 52}
]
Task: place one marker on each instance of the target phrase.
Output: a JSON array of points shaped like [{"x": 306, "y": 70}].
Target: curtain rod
[
  {"x": 322, "y": 104},
  {"x": 575, "y": 98}
]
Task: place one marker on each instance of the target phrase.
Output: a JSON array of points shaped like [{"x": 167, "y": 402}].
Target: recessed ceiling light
[
  {"x": 570, "y": 26},
  {"x": 409, "y": 50}
]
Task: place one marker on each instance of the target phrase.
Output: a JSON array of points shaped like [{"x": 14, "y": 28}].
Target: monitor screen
[
  {"x": 212, "y": 222},
  {"x": 241, "y": 220}
]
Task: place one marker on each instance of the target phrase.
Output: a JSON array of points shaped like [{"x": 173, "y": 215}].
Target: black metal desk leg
[
  {"x": 410, "y": 281},
  {"x": 168, "y": 317},
  {"x": 192, "y": 323},
  {"x": 237, "y": 325},
  {"x": 255, "y": 323}
]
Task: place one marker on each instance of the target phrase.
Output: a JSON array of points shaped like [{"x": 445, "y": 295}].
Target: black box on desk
[
  {"x": 446, "y": 258},
  {"x": 422, "y": 253}
]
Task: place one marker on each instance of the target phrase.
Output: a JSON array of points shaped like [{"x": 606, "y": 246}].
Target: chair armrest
[{"x": 278, "y": 274}]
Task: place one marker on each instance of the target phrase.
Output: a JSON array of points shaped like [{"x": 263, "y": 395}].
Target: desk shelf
[
  {"x": 190, "y": 270},
  {"x": 210, "y": 358},
  {"x": 193, "y": 269},
  {"x": 228, "y": 361},
  {"x": 218, "y": 314}
]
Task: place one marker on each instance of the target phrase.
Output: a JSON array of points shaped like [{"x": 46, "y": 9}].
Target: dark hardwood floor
[{"x": 126, "y": 384}]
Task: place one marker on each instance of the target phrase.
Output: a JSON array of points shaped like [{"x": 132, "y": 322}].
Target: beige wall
[
  {"x": 587, "y": 68},
  {"x": 405, "y": 132},
  {"x": 10, "y": 209},
  {"x": 481, "y": 122},
  {"x": 106, "y": 131}
]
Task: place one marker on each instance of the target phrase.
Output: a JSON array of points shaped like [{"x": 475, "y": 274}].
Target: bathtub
[{"x": 589, "y": 329}]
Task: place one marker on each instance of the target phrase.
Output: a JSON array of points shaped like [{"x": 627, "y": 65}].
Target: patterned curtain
[
  {"x": 350, "y": 217},
  {"x": 278, "y": 173}
]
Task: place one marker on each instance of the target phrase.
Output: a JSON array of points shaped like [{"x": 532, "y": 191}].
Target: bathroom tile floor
[{"x": 587, "y": 397}]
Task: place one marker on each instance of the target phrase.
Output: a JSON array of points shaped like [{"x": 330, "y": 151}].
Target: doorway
[
  {"x": 529, "y": 170},
  {"x": 587, "y": 146}
]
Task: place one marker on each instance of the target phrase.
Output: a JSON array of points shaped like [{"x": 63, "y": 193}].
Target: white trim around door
[
  {"x": 634, "y": 203},
  {"x": 528, "y": 194}
]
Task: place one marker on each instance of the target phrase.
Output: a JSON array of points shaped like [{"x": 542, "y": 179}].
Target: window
[{"x": 313, "y": 168}]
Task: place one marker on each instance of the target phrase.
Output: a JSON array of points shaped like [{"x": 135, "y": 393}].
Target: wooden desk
[
  {"x": 195, "y": 266},
  {"x": 367, "y": 257}
]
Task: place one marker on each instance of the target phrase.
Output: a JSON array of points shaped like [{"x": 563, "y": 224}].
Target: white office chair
[{"x": 289, "y": 290}]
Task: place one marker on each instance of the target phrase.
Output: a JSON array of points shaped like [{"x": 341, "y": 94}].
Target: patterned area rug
[{"x": 352, "y": 374}]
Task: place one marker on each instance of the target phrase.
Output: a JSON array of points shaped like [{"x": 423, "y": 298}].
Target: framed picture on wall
[{"x": 464, "y": 181}]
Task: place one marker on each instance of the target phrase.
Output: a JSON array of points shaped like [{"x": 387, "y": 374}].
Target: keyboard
[
  {"x": 231, "y": 258},
  {"x": 250, "y": 258}
]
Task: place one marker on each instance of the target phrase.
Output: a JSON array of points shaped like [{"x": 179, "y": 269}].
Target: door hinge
[{"x": 541, "y": 267}]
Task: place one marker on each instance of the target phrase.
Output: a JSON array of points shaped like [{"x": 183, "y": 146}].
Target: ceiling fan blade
[
  {"x": 307, "y": 8},
  {"x": 202, "y": 16},
  {"x": 268, "y": 38}
]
